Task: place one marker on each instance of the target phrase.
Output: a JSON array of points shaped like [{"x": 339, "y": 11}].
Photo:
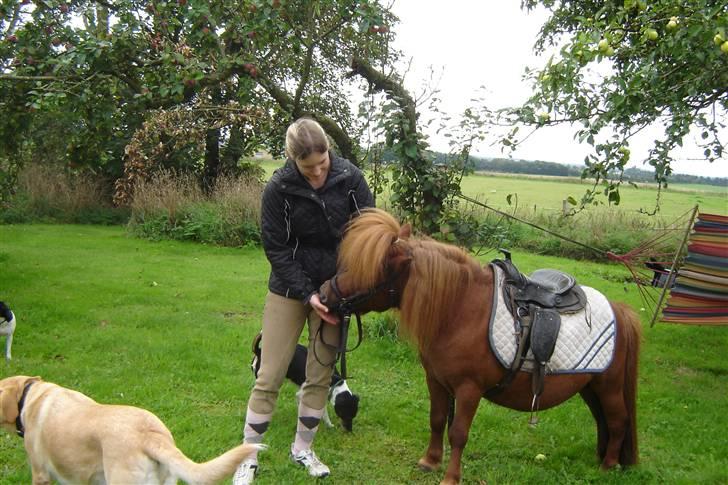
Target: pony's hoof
[
  {"x": 425, "y": 465},
  {"x": 449, "y": 481}
]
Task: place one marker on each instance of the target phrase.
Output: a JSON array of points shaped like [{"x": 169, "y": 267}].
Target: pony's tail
[{"x": 629, "y": 453}]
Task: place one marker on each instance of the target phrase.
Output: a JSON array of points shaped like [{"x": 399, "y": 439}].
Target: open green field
[
  {"x": 167, "y": 326},
  {"x": 547, "y": 193}
]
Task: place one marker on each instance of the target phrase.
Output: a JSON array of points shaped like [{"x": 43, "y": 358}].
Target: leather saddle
[
  {"x": 544, "y": 288},
  {"x": 536, "y": 303}
]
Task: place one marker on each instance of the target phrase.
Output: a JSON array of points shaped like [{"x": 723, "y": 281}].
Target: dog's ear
[{"x": 11, "y": 391}]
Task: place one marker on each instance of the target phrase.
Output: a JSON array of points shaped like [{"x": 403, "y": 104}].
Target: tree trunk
[
  {"x": 212, "y": 159},
  {"x": 234, "y": 149}
]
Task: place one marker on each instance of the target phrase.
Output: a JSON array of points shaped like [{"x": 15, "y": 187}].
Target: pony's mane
[
  {"x": 365, "y": 247},
  {"x": 439, "y": 273}
]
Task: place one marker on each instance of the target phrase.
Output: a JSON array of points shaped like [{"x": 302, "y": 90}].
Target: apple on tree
[{"x": 624, "y": 151}]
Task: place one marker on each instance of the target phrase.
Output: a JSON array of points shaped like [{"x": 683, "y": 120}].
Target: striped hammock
[{"x": 700, "y": 293}]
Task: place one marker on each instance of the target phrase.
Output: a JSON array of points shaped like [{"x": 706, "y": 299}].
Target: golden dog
[{"x": 73, "y": 439}]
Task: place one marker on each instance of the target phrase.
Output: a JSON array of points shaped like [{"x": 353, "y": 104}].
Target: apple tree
[
  {"x": 87, "y": 74},
  {"x": 623, "y": 66}
]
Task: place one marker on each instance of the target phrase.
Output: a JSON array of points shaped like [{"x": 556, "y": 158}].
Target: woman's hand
[{"x": 322, "y": 310}]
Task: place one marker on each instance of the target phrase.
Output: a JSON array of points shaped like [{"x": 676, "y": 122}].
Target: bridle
[{"x": 346, "y": 307}]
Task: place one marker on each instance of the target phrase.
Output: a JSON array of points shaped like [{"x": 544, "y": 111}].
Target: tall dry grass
[
  {"x": 166, "y": 192},
  {"x": 172, "y": 204},
  {"x": 238, "y": 198},
  {"x": 49, "y": 192},
  {"x": 48, "y": 186}
]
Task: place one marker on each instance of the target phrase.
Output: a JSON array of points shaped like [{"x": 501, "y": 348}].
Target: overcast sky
[{"x": 472, "y": 43}]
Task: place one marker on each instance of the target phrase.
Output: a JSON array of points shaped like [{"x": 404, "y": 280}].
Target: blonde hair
[{"x": 304, "y": 137}]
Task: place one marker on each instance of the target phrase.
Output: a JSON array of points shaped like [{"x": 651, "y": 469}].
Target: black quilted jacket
[{"x": 302, "y": 227}]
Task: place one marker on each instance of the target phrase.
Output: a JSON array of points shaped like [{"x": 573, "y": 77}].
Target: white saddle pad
[{"x": 585, "y": 342}]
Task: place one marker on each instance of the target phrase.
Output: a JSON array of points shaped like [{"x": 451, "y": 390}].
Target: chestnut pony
[{"x": 444, "y": 297}]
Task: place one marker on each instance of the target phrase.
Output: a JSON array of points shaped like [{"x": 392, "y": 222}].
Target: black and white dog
[
  {"x": 345, "y": 402},
  {"x": 7, "y": 327},
  {"x": 660, "y": 273}
]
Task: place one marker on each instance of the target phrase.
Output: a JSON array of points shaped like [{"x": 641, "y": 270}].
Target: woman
[{"x": 306, "y": 205}]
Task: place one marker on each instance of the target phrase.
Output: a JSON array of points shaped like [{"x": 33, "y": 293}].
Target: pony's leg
[
  {"x": 439, "y": 407},
  {"x": 467, "y": 398},
  {"x": 616, "y": 391},
  {"x": 591, "y": 399},
  {"x": 615, "y": 413}
]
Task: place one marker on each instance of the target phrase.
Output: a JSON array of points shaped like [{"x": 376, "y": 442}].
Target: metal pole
[{"x": 674, "y": 268}]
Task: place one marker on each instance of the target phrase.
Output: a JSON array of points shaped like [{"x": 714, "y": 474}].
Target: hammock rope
[{"x": 655, "y": 258}]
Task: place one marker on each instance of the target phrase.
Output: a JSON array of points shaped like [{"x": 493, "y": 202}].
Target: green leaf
[
  {"x": 410, "y": 150},
  {"x": 614, "y": 197}
]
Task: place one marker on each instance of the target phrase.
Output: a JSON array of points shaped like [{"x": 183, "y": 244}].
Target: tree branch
[
  {"x": 287, "y": 103},
  {"x": 394, "y": 89}
]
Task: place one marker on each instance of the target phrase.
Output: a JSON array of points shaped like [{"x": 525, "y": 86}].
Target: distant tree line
[{"x": 539, "y": 167}]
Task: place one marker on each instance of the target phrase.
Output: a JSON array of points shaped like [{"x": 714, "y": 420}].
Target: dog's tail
[{"x": 165, "y": 452}]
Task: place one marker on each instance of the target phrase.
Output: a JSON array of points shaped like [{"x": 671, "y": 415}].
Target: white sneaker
[
  {"x": 309, "y": 460},
  {"x": 245, "y": 474}
]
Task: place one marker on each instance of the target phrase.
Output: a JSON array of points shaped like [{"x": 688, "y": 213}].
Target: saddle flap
[{"x": 544, "y": 332}]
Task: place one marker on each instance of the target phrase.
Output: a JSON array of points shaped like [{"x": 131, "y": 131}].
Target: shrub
[
  {"x": 475, "y": 227},
  {"x": 604, "y": 230}
]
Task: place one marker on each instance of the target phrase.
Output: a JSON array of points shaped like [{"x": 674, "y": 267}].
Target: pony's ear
[
  {"x": 405, "y": 231},
  {"x": 401, "y": 259}
]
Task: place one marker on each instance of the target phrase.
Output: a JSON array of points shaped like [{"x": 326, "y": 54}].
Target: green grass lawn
[{"x": 167, "y": 326}]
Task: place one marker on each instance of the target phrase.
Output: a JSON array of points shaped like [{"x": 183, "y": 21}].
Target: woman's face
[{"x": 315, "y": 168}]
